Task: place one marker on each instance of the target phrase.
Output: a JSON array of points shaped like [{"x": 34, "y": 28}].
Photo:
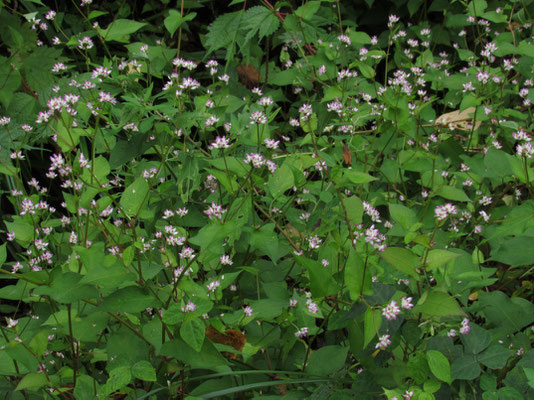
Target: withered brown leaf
[
  {"x": 347, "y": 156},
  {"x": 230, "y": 338},
  {"x": 248, "y": 75}
]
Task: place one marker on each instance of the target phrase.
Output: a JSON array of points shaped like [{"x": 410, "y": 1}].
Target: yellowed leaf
[
  {"x": 293, "y": 232},
  {"x": 462, "y": 121},
  {"x": 132, "y": 70},
  {"x": 473, "y": 296}
]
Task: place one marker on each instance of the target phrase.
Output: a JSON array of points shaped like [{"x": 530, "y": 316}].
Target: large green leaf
[
  {"x": 231, "y": 164},
  {"x": 529, "y": 373},
  {"x": 439, "y": 304},
  {"x": 526, "y": 48},
  {"x": 66, "y": 288},
  {"x": 144, "y": 370},
  {"x": 108, "y": 276},
  {"x": 193, "y": 333},
  {"x": 372, "y": 322},
  {"x": 507, "y": 314},
  {"x": 68, "y": 138},
  {"x": 39, "y": 343},
  {"x": 120, "y": 29},
  {"x": 100, "y": 170},
  {"x": 308, "y": 10},
  {"x": 354, "y": 207},
  {"x": 356, "y": 280},
  {"x": 360, "y": 37},
  {"x": 126, "y": 150},
  {"x": 18, "y": 291},
  {"x": 321, "y": 282},
  {"x": 465, "y": 368},
  {"x": 496, "y": 161},
  {"x": 357, "y": 177},
  {"x": 23, "y": 355},
  {"x": 10, "y": 81},
  {"x": 517, "y": 221},
  {"x": 439, "y": 365},
  {"x": 118, "y": 378},
  {"x": 266, "y": 240},
  {"x": 281, "y": 180},
  {"x": 207, "y": 358},
  {"x": 452, "y": 193},
  {"x": 260, "y": 20},
  {"x": 24, "y": 232},
  {"x": 129, "y": 299},
  {"x": 326, "y": 360},
  {"x": 495, "y": 356},
  {"x": 477, "y": 7},
  {"x": 223, "y": 32},
  {"x": 437, "y": 258},
  {"x": 174, "y": 20},
  {"x": 32, "y": 381},
  {"x": 268, "y": 309},
  {"x": 125, "y": 348},
  {"x": 366, "y": 70},
  {"x": 134, "y": 196},
  {"x": 283, "y": 78},
  {"x": 212, "y": 235},
  {"x": 403, "y": 260},
  {"x": 514, "y": 251},
  {"x": 3, "y": 254},
  {"x": 84, "y": 389},
  {"x": 477, "y": 339},
  {"x": 403, "y": 215}
]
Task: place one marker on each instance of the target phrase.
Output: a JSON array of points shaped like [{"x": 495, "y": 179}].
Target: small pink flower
[
  {"x": 391, "y": 310},
  {"x": 313, "y": 308},
  {"x": 271, "y": 143},
  {"x": 345, "y": 39},
  {"x": 407, "y": 303},
  {"x": 443, "y": 212},
  {"x": 212, "y": 286},
  {"x": 226, "y": 260},
  {"x": 12, "y": 322},
  {"x": 258, "y": 117},
  {"x": 189, "y": 307},
  {"x": 302, "y": 332},
  {"x": 255, "y": 159},
  {"x": 221, "y": 142},
  {"x": 408, "y": 395},
  {"x": 465, "y": 328},
  {"x": 383, "y": 342}
]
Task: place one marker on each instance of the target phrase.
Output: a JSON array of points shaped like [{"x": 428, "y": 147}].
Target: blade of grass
[
  {"x": 244, "y": 388},
  {"x": 250, "y": 372}
]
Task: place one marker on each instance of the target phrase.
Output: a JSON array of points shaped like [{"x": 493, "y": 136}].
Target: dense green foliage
[{"x": 304, "y": 200}]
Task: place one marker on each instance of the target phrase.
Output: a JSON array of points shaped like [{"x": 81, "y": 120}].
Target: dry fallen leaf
[
  {"x": 133, "y": 70},
  {"x": 347, "y": 156},
  {"x": 248, "y": 75},
  {"x": 513, "y": 25},
  {"x": 293, "y": 232},
  {"x": 230, "y": 338},
  {"x": 462, "y": 121}
]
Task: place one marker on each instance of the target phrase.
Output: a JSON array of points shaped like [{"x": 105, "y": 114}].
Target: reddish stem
[{"x": 278, "y": 13}]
